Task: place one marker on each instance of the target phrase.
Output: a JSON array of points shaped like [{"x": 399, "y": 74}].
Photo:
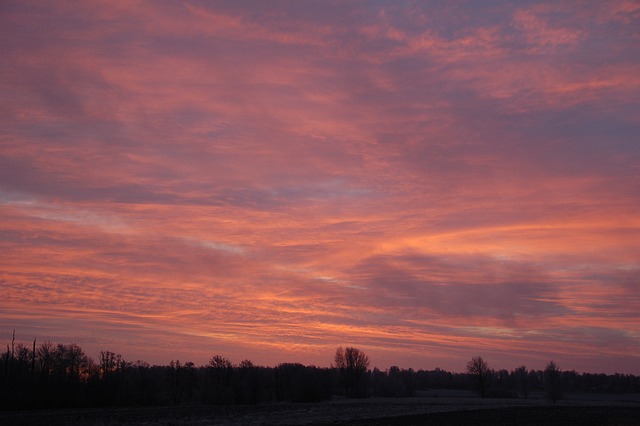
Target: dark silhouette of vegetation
[
  {"x": 61, "y": 376},
  {"x": 522, "y": 380},
  {"x": 479, "y": 371},
  {"x": 552, "y": 382},
  {"x": 219, "y": 375},
  {"x": 352, "y": 364}
]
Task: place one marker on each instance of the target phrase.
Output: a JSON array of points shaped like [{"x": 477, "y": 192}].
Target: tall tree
[
  {"x": 352, "y": 364},
  {"x": 479, "y": 370},
  {"x": 219, "y": 374},
  {"x": 552, "y": 382}
]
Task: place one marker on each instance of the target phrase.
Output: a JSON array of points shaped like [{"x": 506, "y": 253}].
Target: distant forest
[{"x": 63, "y": 376}]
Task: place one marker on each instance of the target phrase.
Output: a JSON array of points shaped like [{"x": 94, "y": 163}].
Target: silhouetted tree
[
  {"x": 552, "y": 382},
  {"x": 400, "y": 382},
  {"x": 247, "y": 383},
  {"x": 479, "y": 371},
  {"x": 33, "y": 364},
  {"x": 245, "y": 363},
  {"x": 220, "y": 370},
  {"x": 190, "y": 380},
  {"x": 298, "y": 383},
  {"x": 175, "y": 381},
  {"x": 352, "y": 364},
  {"x": 378, "y": 381},
  {"x": 107, "y": 382}
]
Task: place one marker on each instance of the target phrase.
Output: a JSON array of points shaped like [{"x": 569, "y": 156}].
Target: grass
[{"x": 446, "y": 411}]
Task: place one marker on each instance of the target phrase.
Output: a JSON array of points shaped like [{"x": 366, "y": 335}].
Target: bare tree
[
  {"x": 219, "y": 374},
  {"x": 246, "y": 364},
  {"x": 552, "y": 382},
  {"x": 479, "y": 370},
  {"x": 175, "y": 382},
  {"x": 352, "y": 364},
  {"x": 190, "y": 377}
]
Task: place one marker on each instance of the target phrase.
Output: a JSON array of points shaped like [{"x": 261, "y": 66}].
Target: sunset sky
[{"x": 426, "y": 181}]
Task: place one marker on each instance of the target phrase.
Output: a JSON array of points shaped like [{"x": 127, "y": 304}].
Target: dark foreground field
[{"x": 413, "y": 411}]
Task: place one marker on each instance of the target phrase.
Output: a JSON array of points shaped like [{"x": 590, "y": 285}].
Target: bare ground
[{"x": 373, "y": 411}]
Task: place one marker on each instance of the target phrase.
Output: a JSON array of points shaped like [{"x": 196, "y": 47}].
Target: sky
[{"x": 427, "y": 181}]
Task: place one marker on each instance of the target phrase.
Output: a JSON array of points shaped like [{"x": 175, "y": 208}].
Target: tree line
[{"x": 63, "y": 376}]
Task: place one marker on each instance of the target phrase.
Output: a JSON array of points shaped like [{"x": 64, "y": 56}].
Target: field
[{"x": 430, "y": 410}]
